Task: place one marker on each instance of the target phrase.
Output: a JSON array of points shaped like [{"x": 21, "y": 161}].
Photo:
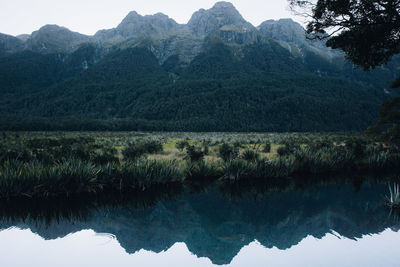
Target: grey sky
[{"x": 88, "y": 16}]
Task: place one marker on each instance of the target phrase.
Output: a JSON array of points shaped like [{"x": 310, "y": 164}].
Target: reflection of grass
[
  {"x": 394, "y": 197},
  {"x": 81, "y": 207}
]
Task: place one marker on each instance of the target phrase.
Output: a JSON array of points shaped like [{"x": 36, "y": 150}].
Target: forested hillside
[{"x": 234, "y": 77}]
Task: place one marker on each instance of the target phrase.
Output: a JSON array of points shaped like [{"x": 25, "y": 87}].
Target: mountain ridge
[
  {"x": 223, "y": 16},
  {"x": 216, "y": 73}
]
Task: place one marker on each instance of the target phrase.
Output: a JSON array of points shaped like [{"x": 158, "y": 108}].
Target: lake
[{"x": 316, "y": 224}]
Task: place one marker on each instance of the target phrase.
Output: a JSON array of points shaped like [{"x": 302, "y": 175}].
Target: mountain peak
[
  {"x": 221, "y": 14},
  {"x": 284, "y": 30},
  {"x": 53, "y": 38},
  {"x": 161, "y": 15},
  {"x": 223, "y": 4},
  {"x": 134, "y": 17},
  {"x": 55, "y": 30},
  {"x": 135, "y": 25},
  {"x": 51, "y": 27},
  {"x": 283, "y": 21}
]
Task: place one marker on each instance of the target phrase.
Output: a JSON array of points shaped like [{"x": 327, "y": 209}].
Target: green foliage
[
  {"x": 108, "y": 155},
  {"x": 282, "y": 151},
  {"x": 264, "y": 90},
  {"x": 357, "y": 147},
  {"x": 324, "y": 160},
  {"x": 217, "y": 62},
  {"x": 194, "y": 153},
  {"x": 135, "y": 150},
  {"x": 319, "y": 144},
  {"x": 381, "y": 160},
  {"x": 152, "y": 147},
  {"x": 289, "y": 148},
  {"x": 34, "y": 180},
  {"x": 42, "y": 165},
  {"x": 267, "y": 148},
  {"x": 368, "y": 29},
  {"x": 390, "y": 119},
  {"x": 236, "y": 169},
  {"x": 206, "y": 149},
  {"x": 367, "y": 32},
  {"x": 182, "y": 144},
  {"x": 227, "y": 152},
  {"x": 250, "y": 155},
  {"x": 202, "y": 171},
  {"x": 143, "y": 174}
]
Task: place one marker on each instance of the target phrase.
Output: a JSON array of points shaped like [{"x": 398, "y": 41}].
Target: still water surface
[{"x": 324, "y": 225}]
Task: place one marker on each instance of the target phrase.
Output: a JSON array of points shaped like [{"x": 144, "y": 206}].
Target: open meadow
[{"x": 46, "y": 164}]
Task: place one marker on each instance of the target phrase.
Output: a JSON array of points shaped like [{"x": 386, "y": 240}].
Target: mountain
[
  {"x": 136, "y": 26},
  {"x": 216, "y": 73},
  {"x": 223, "y": 15},
  {"x": 9, "y": 44},
  {"x": 53, "y": 39},
  {"x": 284, "y": 30},
  {"x": 213, "y": 225}
]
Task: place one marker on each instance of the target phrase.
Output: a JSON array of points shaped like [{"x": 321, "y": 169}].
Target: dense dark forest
[{"x": 265, "y": 90}]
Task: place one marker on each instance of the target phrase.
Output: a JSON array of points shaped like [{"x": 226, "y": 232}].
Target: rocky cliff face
[
  {"x": 283, "y": 30},
  {"x": 9, "y": 44},
  {"x": 222, "y": 14},
  {"x": 292, "y": 36},
  {"x": 135, "y": 26},
  {"x": 53, "y": 38},
  {"x": 166, "y": 38}
]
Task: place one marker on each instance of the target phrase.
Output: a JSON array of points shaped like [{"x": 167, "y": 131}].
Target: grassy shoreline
[{"x": 42, "y": 165}]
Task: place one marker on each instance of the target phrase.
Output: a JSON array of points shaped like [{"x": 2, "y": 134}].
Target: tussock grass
[
  {"x": 35, "y": 180},
  {"x": 394, "y": 196},
  {"x": 78, "y": 177},
  {"x": 146, "y": 173},
  {"x": 53, "y": 164}
]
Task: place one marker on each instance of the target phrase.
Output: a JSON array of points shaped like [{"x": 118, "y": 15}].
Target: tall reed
[{"x": 394, "y": 196}]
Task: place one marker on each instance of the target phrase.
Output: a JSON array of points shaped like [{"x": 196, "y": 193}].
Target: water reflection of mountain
[{"x": 217, "y": 227}]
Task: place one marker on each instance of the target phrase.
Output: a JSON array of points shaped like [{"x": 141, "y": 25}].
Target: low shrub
[
  {"x": 106, "y": 155},
  {"x": 267, "y": 148},
  {"x": 133, "y": 152},
  {"x": 357, "y": 147},
  {"x": 181, "y": 145},
  {"x": 206, "y": 149},
  {"x": 136, "y": 150},
  {"x": 250, "y": 155},
  {"x": 282, "y": 151},
  {"x": 194, "y": 153},
  {"x": 152, "y": 147},
  {"x": 227, "y": 152}
]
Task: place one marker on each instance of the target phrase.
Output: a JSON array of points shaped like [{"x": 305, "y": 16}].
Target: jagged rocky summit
[{"x": 163, "y": 35}]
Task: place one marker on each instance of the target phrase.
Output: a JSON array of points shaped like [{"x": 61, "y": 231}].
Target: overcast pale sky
[{"x": 89, "y": 16}]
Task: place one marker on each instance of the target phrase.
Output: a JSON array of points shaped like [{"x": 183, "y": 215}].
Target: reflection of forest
[{"x": 212, "y": 224}]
